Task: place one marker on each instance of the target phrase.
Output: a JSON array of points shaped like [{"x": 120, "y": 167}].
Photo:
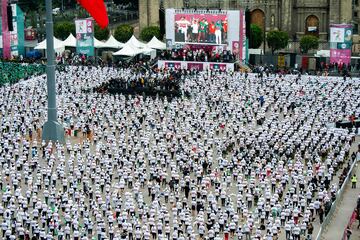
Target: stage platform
[{"x": 196, "y": 65}]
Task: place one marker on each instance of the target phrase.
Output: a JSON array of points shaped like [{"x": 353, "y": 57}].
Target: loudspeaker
[
  {"x": 10, "y": 18},
  {"x": 162, "y": 21}
]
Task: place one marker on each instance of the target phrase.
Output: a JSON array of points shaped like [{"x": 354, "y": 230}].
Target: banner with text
[
  {"x": 340, "y": 43},
  {"x": 85, "y": 37},
  {"x": 17, "y": 36}
]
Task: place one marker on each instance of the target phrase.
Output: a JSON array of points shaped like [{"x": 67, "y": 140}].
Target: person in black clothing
[
  {"x": 187, "y": 190},
  {"x": 310, "y": 229},
  {"x": 321, "y": 214}
]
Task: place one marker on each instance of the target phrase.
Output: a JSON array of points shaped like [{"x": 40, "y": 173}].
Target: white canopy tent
[
  {"x": 57, "y": 44},
  {"x": 149, "y": 51},
  {"x": 156, "y": 44},
  {"x": 129, "y": 51},
  {"x": 98, "y": 44},
  {"x": 135, "y": 43},
  {"x": 113, "y": 43},
  {"x": 70, "y": 41}
]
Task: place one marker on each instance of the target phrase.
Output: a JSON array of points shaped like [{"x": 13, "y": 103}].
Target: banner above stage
[{"x": 85, "y": 37}]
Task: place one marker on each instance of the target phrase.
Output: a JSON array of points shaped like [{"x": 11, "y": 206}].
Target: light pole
[
  {"x": 264, "y": 35},
  {"x": 52, "y": 129},
  {"x": 264, "y": 40}
]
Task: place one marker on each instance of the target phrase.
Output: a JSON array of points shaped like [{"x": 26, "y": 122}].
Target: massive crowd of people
[
  {"x": 13, "y": 72},
  {"x": 145, "y": 80},
  {"x": 186, "y": 168}
]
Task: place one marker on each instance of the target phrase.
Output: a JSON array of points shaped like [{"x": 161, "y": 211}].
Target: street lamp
[
  {"x": 52, "y": 129},
  {"x": 264, "y": 27}
]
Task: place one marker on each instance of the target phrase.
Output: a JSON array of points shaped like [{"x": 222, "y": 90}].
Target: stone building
[{"x": 297, "y": 17}]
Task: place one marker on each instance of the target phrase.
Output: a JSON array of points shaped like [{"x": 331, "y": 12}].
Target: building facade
[{"x": 297, "y": 17}]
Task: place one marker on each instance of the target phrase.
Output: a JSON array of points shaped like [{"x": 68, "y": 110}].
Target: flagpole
[{"x": 52, "y": 129}]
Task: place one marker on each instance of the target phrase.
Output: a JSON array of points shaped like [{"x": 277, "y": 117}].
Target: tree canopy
[
  {"x": 277, "y": 40},
  {"x": 63, "y": 29},
  {"x": 101, "y": 34},
  {"x": 308, "y": 42},
  {"x": 256, "y": 36},
  {"x": 149, "y": 32},
  {"x": 123, "y": 32}
]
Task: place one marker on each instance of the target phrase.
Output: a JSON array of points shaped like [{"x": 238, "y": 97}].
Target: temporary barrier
[{"x": 339, "y": 196}]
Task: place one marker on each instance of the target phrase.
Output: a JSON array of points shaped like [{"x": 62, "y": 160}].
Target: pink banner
[
  {"x": 206, "y": 48},
  {"x": 236, "y": 49},
  {"x": 5, "y": 30},
  {"x": 195, "y": 66},
  {"x": 241, "y": 39},
  {"x": 340, "y": 56}
]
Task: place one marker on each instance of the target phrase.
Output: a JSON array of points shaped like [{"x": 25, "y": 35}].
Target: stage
[{"x": 201, "y": 66}]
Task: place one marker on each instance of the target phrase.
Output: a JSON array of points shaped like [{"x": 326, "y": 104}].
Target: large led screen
[{"x": 201, "y": 28}]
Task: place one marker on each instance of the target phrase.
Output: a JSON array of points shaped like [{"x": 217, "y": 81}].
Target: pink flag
[{"x": 5, "y": 30}]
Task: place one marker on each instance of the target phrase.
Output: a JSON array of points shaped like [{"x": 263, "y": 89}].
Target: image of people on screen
[{"x": 204, "y": 28}]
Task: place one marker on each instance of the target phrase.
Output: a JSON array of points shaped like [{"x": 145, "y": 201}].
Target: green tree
[
  {"x": 31, "y": 5},
  {"x": 101, "y": 34},
  {"x": 277, "y": 40},
  {"x": 256, "y": 36},
  {"x": 123, "y": 32},
  {"x": 149, "y": 32},
  {"x": 32, "y": 16},
  {"x": 63, "y": 29},
  {"x": 308, "y": 42}
]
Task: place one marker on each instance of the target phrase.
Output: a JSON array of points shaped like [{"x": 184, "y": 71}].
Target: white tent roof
[
  {"x": 128, "y": 50},
  {"x": 57, "y": 44},
  {"x": 147, "y": 50},
  {"x": 113, "y": 43},
  {"x": 156, "y": 44},
  {"x": 70, "y": 41},
  {"x": 98, "y": 44},
  {"x": 136, "y": 43}
]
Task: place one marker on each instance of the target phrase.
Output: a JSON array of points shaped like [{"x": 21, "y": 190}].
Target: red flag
[{"x": 97, "y": 10}]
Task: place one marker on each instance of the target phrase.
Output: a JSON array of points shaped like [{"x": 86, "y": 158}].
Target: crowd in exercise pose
[{"x": 200, "y": 166}]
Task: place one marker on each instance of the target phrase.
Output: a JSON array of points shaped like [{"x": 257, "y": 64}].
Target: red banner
[{"x": 305, "y": 62}]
